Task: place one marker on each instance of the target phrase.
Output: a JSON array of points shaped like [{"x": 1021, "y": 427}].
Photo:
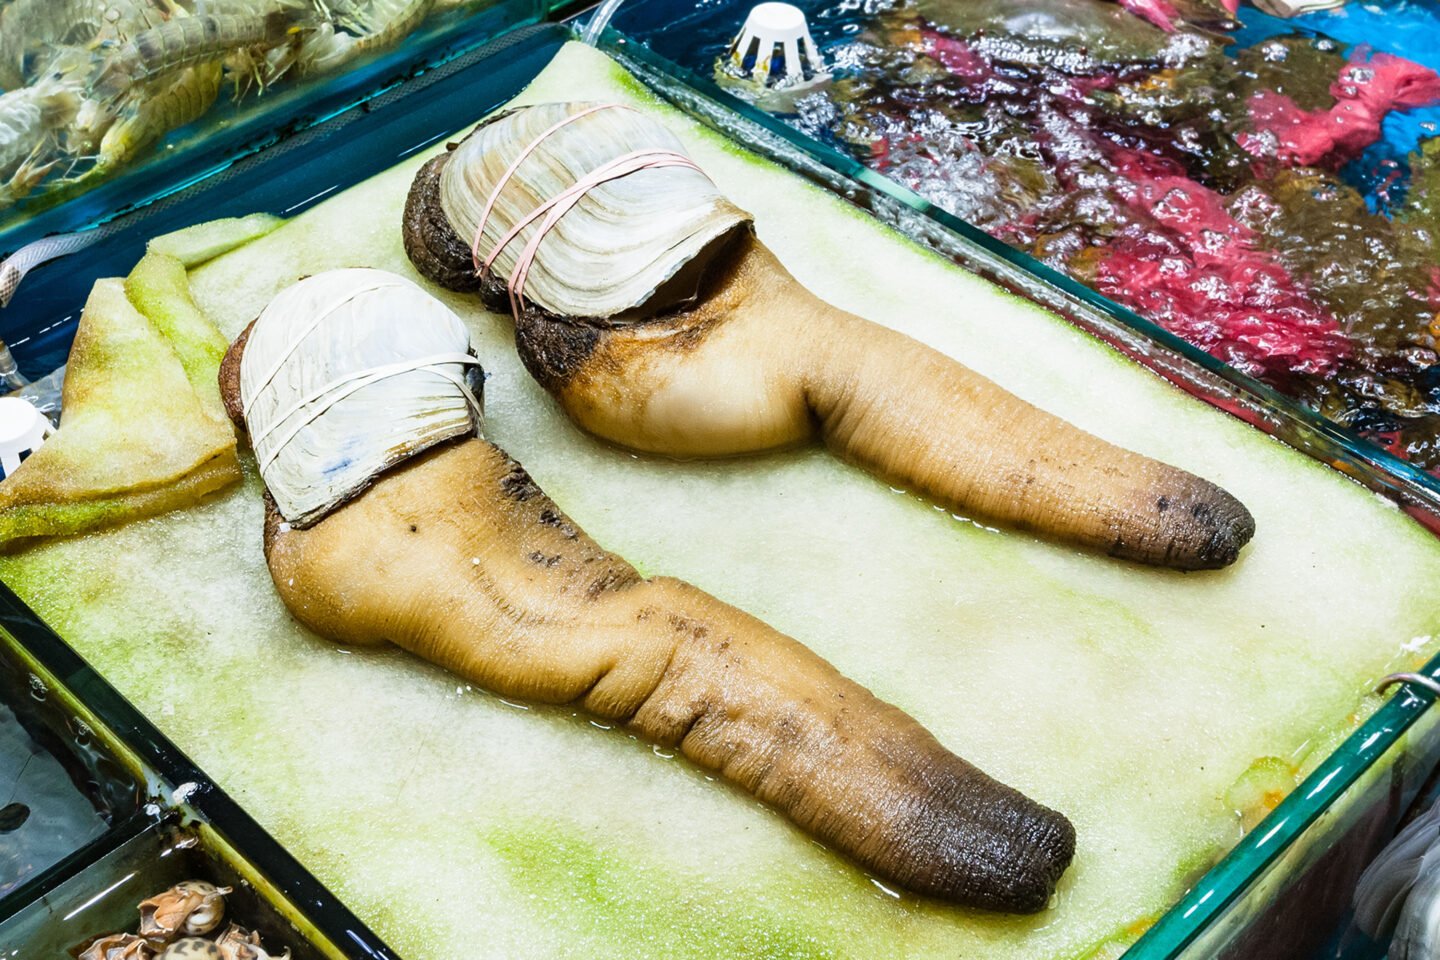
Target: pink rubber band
[
  {"x": 556, "y": 207},
  {"x": 562, "y": 204},
  {"x": 515, "y": 165}
]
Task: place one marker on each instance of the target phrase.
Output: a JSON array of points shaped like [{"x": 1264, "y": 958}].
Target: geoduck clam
[
  {"x": 646, "y": 305},
  {"x": 457, "y": 556}
]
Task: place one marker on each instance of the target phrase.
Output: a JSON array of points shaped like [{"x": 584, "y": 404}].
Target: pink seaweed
[
  {"x": 1368, "y": 87},
  {"x": 1158, "y": 12},
  {"x": 1189, "y": 265}
]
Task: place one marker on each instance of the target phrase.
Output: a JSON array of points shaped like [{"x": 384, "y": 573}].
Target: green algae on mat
[
  {"x": 201, "y": 242},
  {"x": 136, "y": 438},
  {"x": 159, "y": 288},
  {"x": 1131, "y": 699},
  {"x": 605, "y": 894}
]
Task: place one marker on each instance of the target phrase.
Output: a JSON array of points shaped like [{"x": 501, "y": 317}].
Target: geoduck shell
[
  {"x": 343, "y": 323},
  {"x": 622, "y": 240}
]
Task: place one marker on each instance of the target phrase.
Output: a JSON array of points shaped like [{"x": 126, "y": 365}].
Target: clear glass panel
[
  {"x": 1299, "y": 867},
  {"x": 64, "y": 791},
  {"x": 102, "y": 899},
  {"x": 232, "y": 129},
  {"x": 122, "y": 761}
]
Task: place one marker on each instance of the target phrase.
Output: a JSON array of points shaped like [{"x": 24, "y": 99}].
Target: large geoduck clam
[
  {"x": 454, "y": 554},
  {"x": 647, "y": 306}
]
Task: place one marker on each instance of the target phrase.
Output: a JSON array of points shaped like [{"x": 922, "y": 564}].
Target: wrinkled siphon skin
[
  {"x": 759, "y": 363},
  {"x": 458, "y": 557}
]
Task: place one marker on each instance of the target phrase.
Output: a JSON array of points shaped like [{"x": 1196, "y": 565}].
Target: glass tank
[
  {"x": 67, "y": 793},
  {"x": 1302, "y": 851},
  {"x": 1260, "y": 188},
  {"x": 105, "y": 107}
]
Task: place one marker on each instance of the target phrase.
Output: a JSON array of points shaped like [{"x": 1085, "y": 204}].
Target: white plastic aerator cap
[
  {"x": 776, "y": 42},
  {"x": 22, "y": 429}
]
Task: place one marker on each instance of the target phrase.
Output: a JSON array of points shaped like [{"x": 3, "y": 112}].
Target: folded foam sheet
[
  {"x": 136, "y": 438},
  {"x": 458, "y": 824}
]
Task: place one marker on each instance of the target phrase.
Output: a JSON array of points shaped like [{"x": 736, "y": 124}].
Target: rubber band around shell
[
  {"x": 557, "y": 206},
  {"x": 601, "y": 242},
  {"x": 346, "y": 374}
]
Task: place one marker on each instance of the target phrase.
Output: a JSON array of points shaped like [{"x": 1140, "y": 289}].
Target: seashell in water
[
  {"x": 345, "y": 374},
  {"x": 624, "y": 238},
  {"x": 237, "y": 943},
  {"x": 186, "y": 909},
  {"x": 191, "y": 948},
  {"x": 119, "y": 946}
]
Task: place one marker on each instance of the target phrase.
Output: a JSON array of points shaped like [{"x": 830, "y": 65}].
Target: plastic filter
[
  {"x": 23, "y": 429},
  {"x": 778, "y": 37}
]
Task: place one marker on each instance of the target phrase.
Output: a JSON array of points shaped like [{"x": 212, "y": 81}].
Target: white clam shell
[
  {"x": 345, "y": 374},
  {"x": 623, "y": 239}
]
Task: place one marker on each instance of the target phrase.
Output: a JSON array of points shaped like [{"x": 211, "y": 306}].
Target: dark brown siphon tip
[
  {"x": 1204, "y": 527},
  {"x": 977, "y": 842}
]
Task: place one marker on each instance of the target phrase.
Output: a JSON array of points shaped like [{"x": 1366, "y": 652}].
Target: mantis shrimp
[
  {"x": 28, "y": 150},
  {"x": 370, "y": 26},
  {"x": 138, "y": 76},
  {"x": 96, "y": 81},
  {"x": 181, "y": 100},
  {"x": 157, "y": 53},
  {"x": 32, "y": 31}
]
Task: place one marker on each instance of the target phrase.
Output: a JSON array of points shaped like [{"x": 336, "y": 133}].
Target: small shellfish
[
  {"x": 620, "y": 243},
  {"x": 192, "y": 948},
  {"x": 119, "y": 946},
  {"x": 345, "y": 374},
  {"x": 187, "y": 909},
  {"x": 236, "y": 943}
]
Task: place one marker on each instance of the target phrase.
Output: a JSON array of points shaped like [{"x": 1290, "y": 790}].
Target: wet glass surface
[
  {"x": 61, "y": 789},
  {"x": 1266, "y": 191},
  {"x": 43, "y": 816},
  {"x": 113, "y": 139}
]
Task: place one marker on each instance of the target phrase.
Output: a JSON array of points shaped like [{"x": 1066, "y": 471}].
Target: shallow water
[
  {"x": 43, "y": 816},
  {"x": 1249, "y": 189}
]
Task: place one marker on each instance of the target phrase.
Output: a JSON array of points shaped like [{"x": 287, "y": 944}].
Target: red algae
[
  {"x": 1192, "y": 180},
  {"x": 1190, "y": 266},
  {"x": 1368, "y": 87}
]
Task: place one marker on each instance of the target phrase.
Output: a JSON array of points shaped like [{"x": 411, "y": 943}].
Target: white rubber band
[
  {"x": 342, "y": 387},
  {"x": 300, "y": 337}
]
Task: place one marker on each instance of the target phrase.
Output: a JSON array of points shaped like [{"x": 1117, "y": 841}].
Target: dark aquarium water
[
  {"x": 1267, "y": 189},
  {"x": 62, "y": 791},
  {"x": 43, "y": 816}
]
